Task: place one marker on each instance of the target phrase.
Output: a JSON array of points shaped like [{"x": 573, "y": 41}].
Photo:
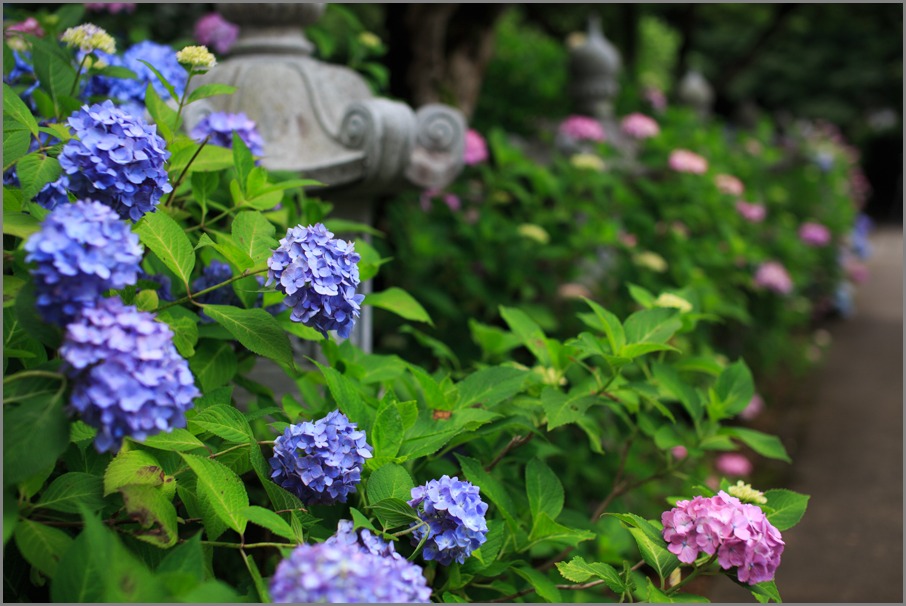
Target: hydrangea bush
[{"x": 155, "y": 279}]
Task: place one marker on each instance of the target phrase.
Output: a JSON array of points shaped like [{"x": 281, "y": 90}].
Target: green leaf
[
  {"x": 650, "y": 543},
  {"x": 214, "y": 364},
  {"x": 651, "y": 326},
  {"x": 254, "y": 235},
  {"x": 610, "y": 325},
  {"x": 642, "y": 296},
  {"x": 343, "y": 226},
  {"x": 154, "y": 512},
  {"x": 387, "y": 432},
  {"x": 544, "y": 587},
  {"x": 489, "y": 487},
  {"x": 209, "y": 90},
  {"x": 229, "y": 249},
  {"x": 73, "y": 490},
  {"x": 788, "y": 506},
  {"x": 53, "y": 70},
  {"x": 393, "y": 512},
  {"x": 186, "y": 558},
  {"x": 734, "y": 389},
  {"x": 270, "y": 520},
  {"x": 160, "y": 233},
  {"x": 544, "y": 490},
  {"x": 347, "y": 398},
  {"x": 163, "y": 115},
  {"x": 243, "y": 161},
  {"x": 14, "y": 107},
  {"x": 256, "y": 329},
  {"x": 578, "y": 570},
  {"x": 490, "y": 386},
  {"x": 185, "y": 330},
  {"x": 210, "y": 158},
  {"x": 16, "y": 142},
  {"x": 545, "y": 529},
  {"x": 634, "y": 350},
  {"x": 163, "y": 80},
  {"x": 224, "y": 490},
  {"x": 529, "y": 333},
  {"x": 400, "y": 302},
  {"x": 493, "y": 341},
  {"x": 389, "y": 482},
  {"x": 41, "y": 546},
  {"x": 132, "y": 467},
  {"x": 223, "y": 421},
  {"x": 35, "y": 170},
  {"x": 35, "y": 434},
  {"x": 762, "y": 443},
  {"x": 562, "y": 408},
  {"x": 177, "y": 440},
  {"x": 20, "y": 225},
  {"x": 673, "y": 386},
  {"x": 764, "y": 592}
]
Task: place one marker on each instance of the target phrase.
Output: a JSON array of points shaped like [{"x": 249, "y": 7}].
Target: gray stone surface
[{"x": 849, "y": 545}]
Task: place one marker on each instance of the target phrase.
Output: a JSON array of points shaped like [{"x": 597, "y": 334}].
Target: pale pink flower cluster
[
  {"x": 451, "y": 200},
  {"x": 773, "y": 276},
  {"x": 728, "y": 184},
  {"x": 214, "y": 31},
  {"x": 656, "y": 98},
  {"x": 739, "y": 533},
  {"x": 856, "y": 271},
  {"x": 111, "y": 7},
  {"x": 814, "y": 234},
  {"x": 754, "y": 213},
  {"x": 685, "y": 161},
  {"x": 29, "y": 26},
  {"x": 582, "y": 128},
  {"x": 733, "y": 464},
  {"x": 639, "y": 126},
  {"x": 475, "y": 150},
  {"x": 753, "y": 408}
]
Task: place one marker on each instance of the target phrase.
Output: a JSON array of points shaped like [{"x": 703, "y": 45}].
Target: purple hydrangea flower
[
  {"x": 220, "y": 126},
  {"x": 128, "y": 379},
  {"x": 320, "y": 462},
  {"x": 772, "y": 275},
  {"x": 318, "y": 274},
  {"x": 55, "y": 193},
  {"x": 117, "y": 159},
  {"x": 740, "y": 535},
  {"x": 82, "y": 250},
  {"x": 454, "y": 514},
  {"x": 215, "y": 273},
  {"x": 814, "y": 234},
  {"x": 862, "y": 228},
  {"x": 348, "y": 567},
  {"x": 163, "y": 284},
  {"x": 215, "y": 32}
]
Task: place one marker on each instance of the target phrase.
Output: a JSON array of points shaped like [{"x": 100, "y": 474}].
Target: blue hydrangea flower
[
  {"x": 54, "y": 193},
  {"x": 348, "y": 568},
  {"x": 220, "y": 126},
  {"x": 117, "y": 159},
  {"x": 319, "y": 275},
  {"x": 131, "y": 91},
  {"x": 454, "y": 513},
  {"x": 320, "y": 462},
  {"x": 215, "y": 273},
  {"x": 860, "y": 242},
  {"x": 22, "y": 70},
  {"x": 82, "y": 250},
  {"x": 128, "y": 379},
  {"x": 163, "y": 284}
]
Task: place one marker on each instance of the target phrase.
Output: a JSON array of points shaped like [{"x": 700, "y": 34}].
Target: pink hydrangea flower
[
  {"x": 656, "y": 98},
  {"x": 814, "y": 234},
  {"x": 685, "y": 161},
  {"x": 773, "y": 276},
  {"x": 728, "y": 184},
  {"x": 476, "y": 150},
  {"x": 753, "y": 408},
  {"x": 733, "y": 464},
  {"x": 679, "y": 452},
  {"x": 582, "y": 128},
  {"x": 639, "y": 126},
  {"x": 215, "y": 32},
  {"x": 856, "y": 271},
  {"x": 452, "y": 202},
  {"x": 111, "y": 7},
  {"x": 29, "y": 26},
  {"x": 753, "y": 213},
  {"x": 739, "y": 533}
]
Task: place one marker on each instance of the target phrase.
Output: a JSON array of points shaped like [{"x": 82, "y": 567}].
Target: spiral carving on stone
[
  {"x": 437, "y": 131},
  {"x": 355, "y": 127}
]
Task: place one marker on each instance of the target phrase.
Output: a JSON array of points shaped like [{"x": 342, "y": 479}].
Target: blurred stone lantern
[
  {"x": 594, "y": 68},
  {"x": 694, "y": 90},
  {"x": 322, "y": 121}
]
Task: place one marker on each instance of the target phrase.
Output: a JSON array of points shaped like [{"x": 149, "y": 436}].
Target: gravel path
[{"x": 849, "y": 545}]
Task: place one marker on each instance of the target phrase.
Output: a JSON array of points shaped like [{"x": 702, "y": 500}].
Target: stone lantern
[
  {"x": 594, "y": 68},
  {"x": 322, "y": 121},
  {"x": 694, "y": 90}
]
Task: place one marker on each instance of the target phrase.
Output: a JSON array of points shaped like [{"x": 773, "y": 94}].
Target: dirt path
[{"x": 849, "y": 545}]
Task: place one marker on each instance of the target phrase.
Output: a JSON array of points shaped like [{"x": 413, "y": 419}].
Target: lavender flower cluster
[
  {"x": 115, "y": 158},
  {"x": 740, "y": 535},
  {"x": 320, "y": 462},
  {"x": 319, "y": 275},
  {"x": 128, "y": 378},
  {"x": 455, "y": 518},
  {"x": 220, "y": 126},
  {"x": 348, "y": 567},
  {"x": 217, "y": 272},
  {"x": 82, "y": 250}
]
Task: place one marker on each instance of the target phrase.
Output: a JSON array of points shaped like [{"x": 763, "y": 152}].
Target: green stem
[
  {"x": 182, "y": 100},
  {"x": 185, "y": 170},
  {"x": 75, "y": 83},
  {"x": 205, "y": 223},
  {"x": 33, "y": 373},
  {"x": 695, "y": 572},
  {"x": 191, "y": 297},
  {"x": 247, "y": 545}
]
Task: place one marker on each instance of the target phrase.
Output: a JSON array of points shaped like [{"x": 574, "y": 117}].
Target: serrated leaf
[
  {"x": 672, "y": 385},
  {"x": 16, "y": 142},
  {"x": 788, "y": 507},
  {"x": 578, "y": 570},
  {"x": 734, "y": 389},
  {"x": 347, "y": 398},
  {"x": 393, "y": 513},
  {"x": 35, "y": 433},
  {"x": 41, "y": 546},
  {"x": 162, "y": 79},
  {"x": 223, "y": 489},
  {"x": 185, "y": 331},
  {"x": 214, "y": 364},
  {"x": 650, "y": 543},
  {"x": 15, "y": 108},
  {"x": 400, "y": 302},
  {"x": 543, "y": 586},
  {"x": 490, "y": 386},
  {"x": 177, "y": 440},
  {"x": 490, "y": 489},
  {"x": 73, "y": 490},
  {"x": 610, "y": 325},
  {"x": 270, "y": 520},
  {"x": 254, "y": 235},
  {"x": 160, "y": 233},
  {"x": 762, "y": 443},
  {"x": 20, "y": 225},
  {"x": 209, "y": 90},
  {"x": 208, "y": 159},
  {"x": 256, "y": 329},
  {"x": 544, "y": 490},
  {"x": 223, "y": 421},
  {"x": 35, "y": 170},
  {"x": 562, "y": 408},
  {"x": 389, "y": 482},
  {"x": 387, "y": 432},
  {"x": 154, "y": 512},
  {"x": 132, "y": 467},
  {"x": 651, "y": 326},
  {"x": 529, "y": 333},
  {"x": 545, "y": 529}
]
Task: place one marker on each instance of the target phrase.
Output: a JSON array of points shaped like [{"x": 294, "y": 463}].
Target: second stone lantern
[{"x": 322, "y": 121}]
